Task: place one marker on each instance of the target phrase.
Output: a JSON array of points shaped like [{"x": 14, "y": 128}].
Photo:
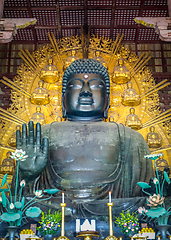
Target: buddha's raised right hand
[{"x": 35, "y": 148}]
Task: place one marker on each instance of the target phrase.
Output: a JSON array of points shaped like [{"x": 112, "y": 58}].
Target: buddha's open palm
[{"x": 35, "y": 148}]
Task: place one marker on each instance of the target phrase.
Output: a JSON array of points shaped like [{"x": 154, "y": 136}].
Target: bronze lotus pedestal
[{"x": 87, "y": 235}]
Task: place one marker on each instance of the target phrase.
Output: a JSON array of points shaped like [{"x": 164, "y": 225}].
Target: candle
[
  {"x": 77, "y": 225},
  {"x": 63, "y": 197},
  {"x": 110, "y": 197}
]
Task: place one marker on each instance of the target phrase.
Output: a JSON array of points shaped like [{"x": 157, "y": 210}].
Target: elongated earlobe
[
  {"x": 105, "y": 113},
  {"x": 63, "y": 108}
]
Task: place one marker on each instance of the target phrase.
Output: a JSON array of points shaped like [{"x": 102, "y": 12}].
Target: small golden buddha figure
[
  {"x": 38, "y": 116},
  {"x": 111, "y": 119},
  {"x": 8, "y": 165},
  {"x": 161, "y": 164},
  {"x": 58, "y": 119},
  {"x": 99, "y": 58},
  {"x": 70, "y": 59},
  {"x": 132, "y": 120},
  {"x": 121, "y": 74},
  {"x": 130, "y": 96},
  {"x": 153, "y": 138},
  {"x": 50, "y": 73},
  {"x": 40, "y": 95},
  {"x": 12, "y": 140}
]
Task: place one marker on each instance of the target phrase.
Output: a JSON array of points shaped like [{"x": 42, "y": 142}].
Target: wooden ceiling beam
[
  {"x": 74, "y": 8},
  {"x": 58, "y": 19},
  {"x": 112, "y": 18},
  {"x": 32, "y": 26},
  {"x": 91, "y": 26},
  {"x": 139, "y": 26}
]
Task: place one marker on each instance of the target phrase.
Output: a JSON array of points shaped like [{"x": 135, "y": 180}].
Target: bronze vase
[
  {"x": 12, "y": 232},
  {"x": 48, "y": 237},
  {"x": 163, "y": 231}
]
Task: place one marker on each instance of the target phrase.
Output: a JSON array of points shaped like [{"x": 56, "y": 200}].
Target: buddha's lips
[{"x": 85, "y": 101}]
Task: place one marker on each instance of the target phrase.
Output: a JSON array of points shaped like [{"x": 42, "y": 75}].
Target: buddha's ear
[
  {"x": 105, "y": 113},
  {"x": 63, "y": 107}
]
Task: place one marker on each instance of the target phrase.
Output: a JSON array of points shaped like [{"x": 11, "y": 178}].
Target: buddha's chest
[{"x": 83, "y": 144}]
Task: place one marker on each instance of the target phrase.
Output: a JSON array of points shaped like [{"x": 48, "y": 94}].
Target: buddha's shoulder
[{"x": 95, "y": 126}]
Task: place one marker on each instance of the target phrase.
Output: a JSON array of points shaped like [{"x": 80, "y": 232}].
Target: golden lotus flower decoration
[{"x": 155, "y": 200}]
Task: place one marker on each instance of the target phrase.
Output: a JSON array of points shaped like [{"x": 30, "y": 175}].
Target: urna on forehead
[{"x": 86, "y": 66}]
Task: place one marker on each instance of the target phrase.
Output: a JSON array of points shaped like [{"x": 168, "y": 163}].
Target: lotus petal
[
  {"x": 33, "y": 212},
  {"x": 9, "y": 217},
  {"x": 166, "y": 177},
  {"x": 18, "y": 205},
  {"x": 4, "y": 200},
  {"x": 156, "y": 212},
  {"x": 4, "y": 180},
  {"x": 4, "y": 190},
  {"x": 144, "y": 185},
  {"x": 51, "y": 191}
]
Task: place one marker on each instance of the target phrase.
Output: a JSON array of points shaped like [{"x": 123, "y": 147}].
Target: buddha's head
[
  {"x": 120, "y": 62},
  {"x": 132, "y": 110},
  {"x": 85, "y": 93},
  {"x": 8, "y": 154},
  {"x": 152, "y": 129},
  {"x": 40, "y": 84},
  {"x": 97, "y": 53},
  {"x": 38, "y": 109},
  {"x": 73, "y": 52},
  {"x": 129, "y": 85}
]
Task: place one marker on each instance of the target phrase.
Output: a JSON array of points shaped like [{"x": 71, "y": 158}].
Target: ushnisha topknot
[{"x": 86, "y": 66}]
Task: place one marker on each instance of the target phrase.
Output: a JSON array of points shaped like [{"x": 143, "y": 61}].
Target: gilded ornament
[
  {"x": 40, "y": 95},
  {"x": 153, "y": 138},
  {"x": 130, "y": 96},
  {"x": 132, "y": 120},
  {"x": 121, "y": 74},
  {"x": 50, "y": 73}
]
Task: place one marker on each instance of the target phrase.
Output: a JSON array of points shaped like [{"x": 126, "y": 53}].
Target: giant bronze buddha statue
[{"x": 84, "y": 156}]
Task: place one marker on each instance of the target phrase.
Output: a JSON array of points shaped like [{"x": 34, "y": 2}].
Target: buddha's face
[{"x": 85, "y": 96}]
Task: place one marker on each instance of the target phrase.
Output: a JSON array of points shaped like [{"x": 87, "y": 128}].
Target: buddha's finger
[
  {"x": 45, "y": 146},
  {"x": 38, "y": 135},
  {"x": 31, "y": 133},
  {"x": 24, "y": 135},
  {"x": 18, "y": 139}
]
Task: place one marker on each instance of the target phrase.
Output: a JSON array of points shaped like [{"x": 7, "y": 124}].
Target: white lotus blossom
[
  {"x": 142, "y": 210},
  {"x": 19, "y": 155},
  {"x": 38, "y": 193},
  {"x": 22, "y": 183},
  {"x": 0, "y": 199},
  {"x": 155, "y": 181},
  {"x": 11, "y": 206},
  {"x": 153, "y": 156}
]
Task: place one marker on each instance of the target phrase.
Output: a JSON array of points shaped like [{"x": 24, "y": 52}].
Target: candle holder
[
  {"x": 63, "y": 237},
  {"x": 110, "y": 237}
]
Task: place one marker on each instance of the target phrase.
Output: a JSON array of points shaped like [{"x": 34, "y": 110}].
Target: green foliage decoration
[
  {"x": 128, "y": 223},
  {"x": 50, "y": 223}
]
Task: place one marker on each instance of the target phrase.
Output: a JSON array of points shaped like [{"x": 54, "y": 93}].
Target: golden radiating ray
[
  {"x": 140, "y": 64},
  {"x": 165, "y": 148},
  {"x": 57, "y": 48},
  {"x": 25, "y": 60},
  {"x": 7, "y": 147},
  {"x": 157, "y": 85},
  {"x": 114, "y": 48},
  {"x": 160, "y": 120},
  {"x": 155, "y": 90},
  {"x": 14, "y": 86},
  {"x": 5, "y": 113},
  {"x": 9, "y": 119},
  {"x": 138, "y": 60},
  {"x": 118, "y": 44},
  {"x": 28, "y": 58},
  {"x": 153, "y": 119}
]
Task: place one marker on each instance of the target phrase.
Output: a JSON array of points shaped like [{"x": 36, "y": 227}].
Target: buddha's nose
[{"x": 86, "y": 91}]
